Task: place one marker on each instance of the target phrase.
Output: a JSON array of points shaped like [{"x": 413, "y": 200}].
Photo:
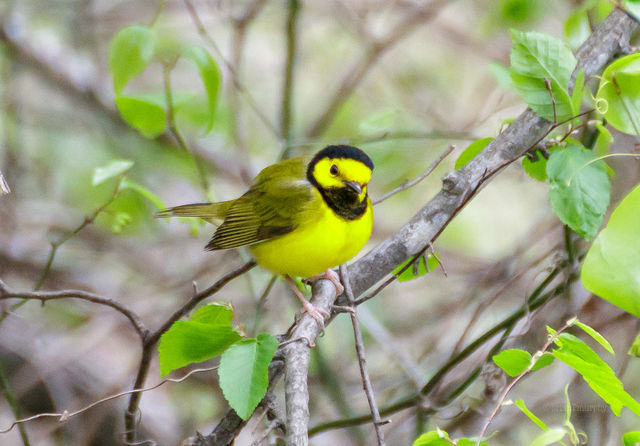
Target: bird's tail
[{"x": 211, "y": 212}]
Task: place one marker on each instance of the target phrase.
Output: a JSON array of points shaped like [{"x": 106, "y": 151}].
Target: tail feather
[{"x": 207, "y": 211}]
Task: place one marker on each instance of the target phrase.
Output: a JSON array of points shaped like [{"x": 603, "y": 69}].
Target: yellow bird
[{"x": 300, "y": 217}]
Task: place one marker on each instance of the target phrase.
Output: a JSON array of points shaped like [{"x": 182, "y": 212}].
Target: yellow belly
[{"x": 322, "y": 240}]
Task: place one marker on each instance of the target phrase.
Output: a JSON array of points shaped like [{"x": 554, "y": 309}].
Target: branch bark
[{"x": 525, "y": 132}]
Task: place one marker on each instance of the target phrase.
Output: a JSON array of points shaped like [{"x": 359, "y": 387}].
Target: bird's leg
[
  {"x": 330, "y": 275},
  {"x": 317, "y": 313}
]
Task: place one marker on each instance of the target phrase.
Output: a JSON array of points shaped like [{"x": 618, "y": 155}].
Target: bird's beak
[{"x": 354, "y": 186}]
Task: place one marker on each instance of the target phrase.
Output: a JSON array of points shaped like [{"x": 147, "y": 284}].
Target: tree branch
[{"x": 527, "y": 130}]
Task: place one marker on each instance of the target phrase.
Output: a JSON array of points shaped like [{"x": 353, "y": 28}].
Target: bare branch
[
  {"x": 408, "y": 184},
  {"x": 44, "y": 296},
  {"x": 288, "y": 82},
  {"x": 366, "y": 381}
]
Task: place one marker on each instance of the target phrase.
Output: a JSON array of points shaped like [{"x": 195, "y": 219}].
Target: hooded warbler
[{"x": 300, "y": 217}]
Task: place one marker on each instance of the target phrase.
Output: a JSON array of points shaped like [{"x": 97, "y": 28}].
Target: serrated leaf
[
  {"x": 113, "y": 169},
  {"x": 244, "y": 373},
  {"x": 130, "y": 51},
  {"x": 143, "y": 114},
  {"x": 210, "y": 75},
  {"x": 534, "y": 58},
  {"x": 611, "y": 269},
  {"x": 551, "y": 436},
  {"x": 619, "y": 94},
  {"x": 471, "y": 151},
  {"x": 422, "y": 268},
  {"x": 579, "y": 189},
  {"x": 513, "y": 361},
  {"x": 595, "y": 335},
  {"x": 143, "y": 191},
  {"x": 192, "y": 341},
  {"x": 631, "y": 439},
  {"x": 523, "y": 407},
  {"x": 597, "y": 374}
]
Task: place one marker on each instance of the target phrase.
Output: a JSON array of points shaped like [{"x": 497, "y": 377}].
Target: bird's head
[{"x": 341, "y": 168}]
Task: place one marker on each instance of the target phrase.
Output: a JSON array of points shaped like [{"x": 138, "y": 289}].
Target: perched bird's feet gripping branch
[
  {"x": 330, "y": 275},
  {"x": 317, "y": 313}
]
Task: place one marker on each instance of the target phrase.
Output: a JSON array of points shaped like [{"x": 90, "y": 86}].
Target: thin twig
[
  {"x": 366, "y": 381},
  {"x": 506, "y": 390},
  {"x": 408, "y": 184},
  {"x": 65, "y": 415},
  {"x": 288, "y": 80},
  {"x": 44, "y": 296},
  {"x": 13, "y": 403}
]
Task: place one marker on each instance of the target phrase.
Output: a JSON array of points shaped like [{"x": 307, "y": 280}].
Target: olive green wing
[
  {"x": 269, "y": 209},
  {"x": 211, "y": 212}
]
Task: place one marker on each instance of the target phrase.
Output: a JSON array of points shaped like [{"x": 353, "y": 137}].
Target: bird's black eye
[{"x": 334, "y": 170}]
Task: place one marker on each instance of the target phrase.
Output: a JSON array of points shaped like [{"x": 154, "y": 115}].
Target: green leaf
[
  {"x": 130, "y": 51},
  {"x": 210, "y": 74},
  {"x": 595, "y": 335},
  {"x": 513, "y": 361},
  {"x": 634, "y": 350},
  {"x": 631, "y": 439},
  {"x": 578, "y": 90},
  {"x": 603, "y": 141},
  {"x": 113, "y": 169},
  {"x": 537, "y": 169},
  {"x": 611, "y": 269},
  {"x": 618, "y": 95},
  {"x": 523, "y": 407},
  {"x": 207, "y": 334},
  {"x": 243, "y": 373},
  {"x": 597, "y": 373},
  {"x": 577, "y": 27},
  {"x": 534, "y": 58},
  {"x": 216, "y": 313},
  {"x": 433, "y": 438},
  {"x": 579, "y": 189},
  {"x": 471, "y": 151},
  {"x": 143, "y": 114},
  {"x": 543, "y": 361},
  {"x": 551, "y": 436},
  {"x": 143, "y": 191},
  {"x": 422, "y": 268}
]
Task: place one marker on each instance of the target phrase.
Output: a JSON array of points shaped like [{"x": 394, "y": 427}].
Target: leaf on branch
[
  {"x": 513, "y": 361},
  {"x": 611, "y": 269},
  {"x": 538, "y": 58},
  {"x": 471, "y": 151},
  {"x": 130, "y": 52},
  {"x": 618, "y": 96},
  {"x": 113, "y": 169},
  {"x": 210, "y": 75},
  {"x": 144, "y": 113},
  {"x": 523, "y": 407},
  {"x": 597, "y": 373},
  {"x": 579, "y": 188},
  {"x": 206, "y": 335},
  {"x": 244, "y": 373},
  {"x": 418, "y": 269}
]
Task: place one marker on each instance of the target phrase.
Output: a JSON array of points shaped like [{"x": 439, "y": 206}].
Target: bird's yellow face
[{"x": 338, "y": 173}]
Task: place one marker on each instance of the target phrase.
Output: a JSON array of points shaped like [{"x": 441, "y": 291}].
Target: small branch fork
[{"x": 366, "y": 381}]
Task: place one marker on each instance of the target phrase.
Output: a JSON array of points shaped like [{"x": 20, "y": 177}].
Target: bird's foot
[
  {"x": 330, "y": 275},
  {"x": 317, "y": 313}
]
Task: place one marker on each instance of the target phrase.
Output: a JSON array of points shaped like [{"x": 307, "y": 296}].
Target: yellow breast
[{"x": 322, "y": 240}]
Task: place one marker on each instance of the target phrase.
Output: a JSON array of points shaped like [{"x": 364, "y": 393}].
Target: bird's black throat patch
[{"x": 344, "y": 202}]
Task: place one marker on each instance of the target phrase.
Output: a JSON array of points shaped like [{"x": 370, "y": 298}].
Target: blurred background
[{"x": 401, "y": 79}]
